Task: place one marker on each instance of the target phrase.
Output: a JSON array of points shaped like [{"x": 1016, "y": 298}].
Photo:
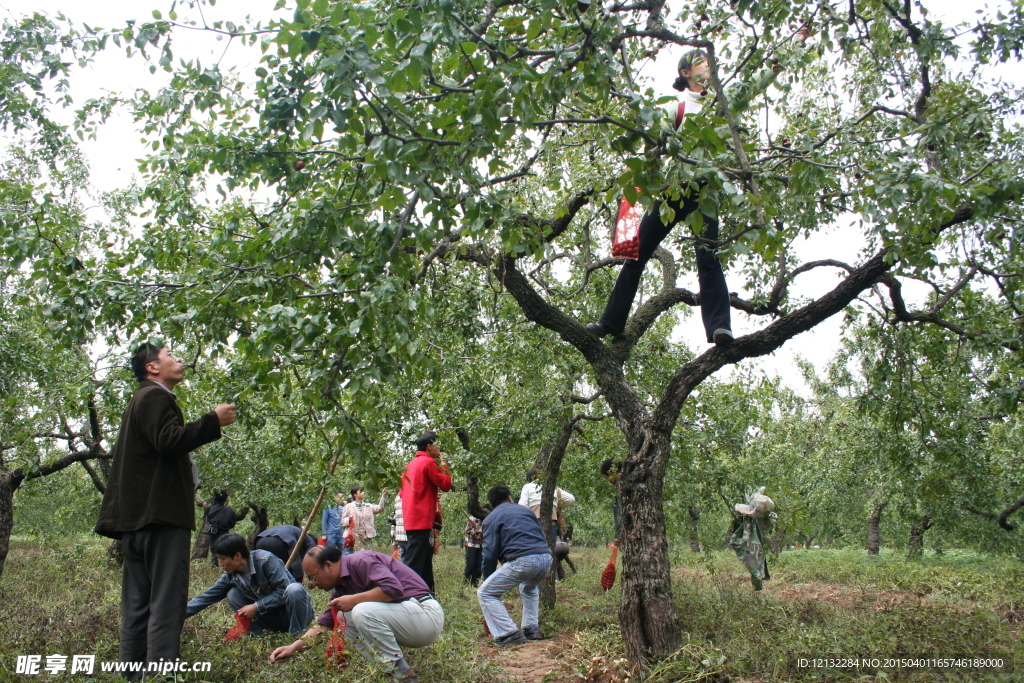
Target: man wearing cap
[
  {"x": 420, "y": 484},
  {"x": 386, "y": 605}
]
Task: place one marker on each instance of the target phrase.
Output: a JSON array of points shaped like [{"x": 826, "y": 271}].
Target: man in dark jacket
[
  {"x": 258, "y": 587},
  {"x": 513, "y": 535},
  {"x": 280, "y": 540},
  {"x": 149, "y": 505}
]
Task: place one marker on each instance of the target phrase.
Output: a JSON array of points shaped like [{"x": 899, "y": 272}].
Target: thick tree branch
[{"x": 779, "y": 332}]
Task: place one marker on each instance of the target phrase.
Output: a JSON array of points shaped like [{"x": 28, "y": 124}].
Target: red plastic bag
[
  {"x": 626, "y": 238},
  {"x": 336, "y": 653},
  {"x": 240, "y": 628},
  {"x": 397, "y": 554}
]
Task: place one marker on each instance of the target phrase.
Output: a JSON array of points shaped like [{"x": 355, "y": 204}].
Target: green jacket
[{"x": 151, "y": 474}]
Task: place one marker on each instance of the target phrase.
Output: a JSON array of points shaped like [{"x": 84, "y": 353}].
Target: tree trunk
[
  {"x": 778, "y": 541},
  {"x": 6, "y": 517},
  {"x": 201, "y": 549},
  {"x": 115, "y": 552},
  {"x": 473, "y": 506},
  {"x": 694, "y": 538},
  {"x": 874, "y": 535},
  {"x": 647, "y": 614},
  {"x": 551, "y": 457},
  {"x": 260, "y": 523},
  {"x": 915, "y": 544}
]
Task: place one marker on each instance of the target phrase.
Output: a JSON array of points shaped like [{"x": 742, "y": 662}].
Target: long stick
[{"x": 319, "y": 498}]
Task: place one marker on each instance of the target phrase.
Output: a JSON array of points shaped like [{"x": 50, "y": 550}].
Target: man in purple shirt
[{"x": 387, "y": 606}]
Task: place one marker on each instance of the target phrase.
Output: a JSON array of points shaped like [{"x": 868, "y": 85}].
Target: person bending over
[
  {"x": 513, "y": 535},
  {"x": 280, "y": 540},
  {"x": 386, "y": 604},
  {"x": 257, "y": 587}
]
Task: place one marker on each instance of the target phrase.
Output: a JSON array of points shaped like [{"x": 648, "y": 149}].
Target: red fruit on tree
[{"x": 299, "y": 165}]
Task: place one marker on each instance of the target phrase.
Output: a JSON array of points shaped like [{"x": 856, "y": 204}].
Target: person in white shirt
[{"x": 530, "y": 497}]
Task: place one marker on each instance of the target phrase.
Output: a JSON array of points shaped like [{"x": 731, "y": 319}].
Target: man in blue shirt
[
  {"x": 257, "y": 587},
  {"x": 513, "y": 535},
  {"x": 330, "y": 523}
]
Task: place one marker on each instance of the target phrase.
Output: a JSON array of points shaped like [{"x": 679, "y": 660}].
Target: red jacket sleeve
[{"x": 441, "y": 480}]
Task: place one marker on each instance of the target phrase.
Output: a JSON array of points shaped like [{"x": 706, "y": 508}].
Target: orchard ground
[{"x": 62, "y": 597}]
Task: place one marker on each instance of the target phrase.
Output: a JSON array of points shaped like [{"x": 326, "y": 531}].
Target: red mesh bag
[
  {"x": 608, "y": 575},
  {"x": 240, "y": 628},
  {"x": 336, "y": 653},
  {"x": 350, "y": 535},
  {"x": 626, "y": 238}
]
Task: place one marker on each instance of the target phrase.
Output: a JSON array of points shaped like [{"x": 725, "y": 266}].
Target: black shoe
[
  {"x": 533, "y": 633},
  {"x": 514, "y": 638},
  {"x": 600, "y": 330},
  {"x": 722, "y": 337}
]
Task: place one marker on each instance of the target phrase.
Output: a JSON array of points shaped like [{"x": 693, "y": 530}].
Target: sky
[{"x": 112, "y": 155}]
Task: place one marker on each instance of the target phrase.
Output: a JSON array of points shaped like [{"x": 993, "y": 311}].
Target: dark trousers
[
  {"x": 474, "y": 565},
  {"x": 714, "y": 294},
  {"x": 277, "y": 547},
  {"x": 419, "y": 555},
  {"x": 154, "y": 592}
]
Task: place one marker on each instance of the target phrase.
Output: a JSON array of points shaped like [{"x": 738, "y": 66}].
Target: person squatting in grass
[
  {"x": 149, "y": 505},
  {"x": 512, "y": 534},
  {"x": 387, "y": 606},
  {"x": 363, "y": 512},
  {"x": 257, "y": 587},
  {"x": 714, "y": 293}
]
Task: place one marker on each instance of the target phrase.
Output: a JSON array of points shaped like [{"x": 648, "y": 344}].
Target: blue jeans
[
  {"x": 526, "y": 572},
  {"x": 293, "y": 616}
]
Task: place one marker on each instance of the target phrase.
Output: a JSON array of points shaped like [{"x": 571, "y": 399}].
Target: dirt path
[{"x": 535, "y": 662}]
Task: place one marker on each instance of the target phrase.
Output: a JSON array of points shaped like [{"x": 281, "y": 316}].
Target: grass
[{"x": 819, "y": 604}]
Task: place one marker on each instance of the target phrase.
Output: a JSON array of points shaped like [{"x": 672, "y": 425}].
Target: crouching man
[
  {"x": 256, "y": 586},
  {"x": 513, "y": 535},
  {"x": 387, "y": 606}
]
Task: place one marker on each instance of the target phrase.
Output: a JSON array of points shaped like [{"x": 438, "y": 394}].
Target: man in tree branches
[
  {"x": 148, "y": 505},
  {"x": 257, "y": 587},
  {"x": 387, "y": 606},
  {"x": 423, "y": 477},
  {"x": 512, "y": 534}
]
